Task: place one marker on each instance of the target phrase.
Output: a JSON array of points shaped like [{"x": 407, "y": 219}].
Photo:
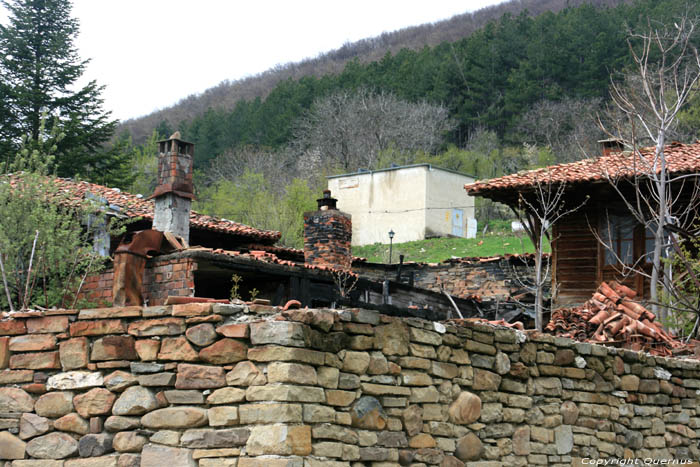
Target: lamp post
[{"x": 391, "y": 242}]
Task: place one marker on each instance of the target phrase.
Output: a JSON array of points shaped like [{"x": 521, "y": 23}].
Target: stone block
[
  {"x": 285, "y": 393},
  {"x": 114, "y": 348},
  {"x": 54, "y": 404},
  {"x": 47, "y": 324},
  {"x": 92, "y": 445},
  {"x": 222, "y": 416},
  {"x": 11, "y": 447},
  {"x": 367, "y": 413},
  {"x": 52, "y": 446},
  {"x": 284, "y": 333},
  {"x": 73, "y": 353},
  {"x": 245, "y": 374},
  {"x": 339, "y": 398},
  {"x": 192, "y": 309},
  {"x": 72, "y": 423},
  {"x": 14, "y": 400},
  {"x": 97, "y": 401},
  {"x": 94, "y": 328},
  {"x": 177, "y": 349},
  {"x": 119, "y": 380},
  {"x": 392, "y": 339},
  {"x": 296, "y": 373},
  {"x": 147, "y": 349},
  {"x": 36, "y": 361},
  {"x": 209, "y": 438},
  {"x": 224, "y": 351},
  {"x": 237, "y": 330},
  {"x": 135, "y": 400},
  {"x": 157, "y": 327},
  {"x": 226, "y": 396},
  {"x": 199, "y": 377},
  {"x": 12, "y": 327},
  {"x": 175, "y": 417},
  {"x": 75, "y": 380},
  {"x": 154, "y": 455},
  {"x": 269, "y": 413},
  {"x": 282, "y": 440},
  {"x": 31, "y": 342},
  {"x": 272, "y": 353},
  {"x": 466, "y": 409}
]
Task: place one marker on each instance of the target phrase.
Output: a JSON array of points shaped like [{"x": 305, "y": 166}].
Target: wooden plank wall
[{"x": 574, "y": 258}]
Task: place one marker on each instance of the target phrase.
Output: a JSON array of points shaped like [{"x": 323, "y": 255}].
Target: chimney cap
[
  {"x": 176, "y": 137},
  {"x": 327, "y": 202}
]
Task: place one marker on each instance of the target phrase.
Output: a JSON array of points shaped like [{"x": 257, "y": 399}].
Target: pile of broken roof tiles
[{"x": 611, "y": 317}]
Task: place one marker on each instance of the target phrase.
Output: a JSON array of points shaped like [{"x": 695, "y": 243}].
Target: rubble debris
[{"x": 612, "y": 317}]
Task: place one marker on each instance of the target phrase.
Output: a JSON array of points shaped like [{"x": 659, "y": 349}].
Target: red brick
[
  {"x": 36, "y": 361},
  {"x": 234, "y": 330},
  {"x": 47, "y": 324},
  {"x": 12, "y": 327},
  {"x": 33, "y": 342},
  {"x": 97, "y": 328}
]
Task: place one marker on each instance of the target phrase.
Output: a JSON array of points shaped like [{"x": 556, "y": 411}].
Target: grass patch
[{"x": 435, "y": 250}]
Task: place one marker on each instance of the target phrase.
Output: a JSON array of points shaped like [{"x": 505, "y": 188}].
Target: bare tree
[
  {"x": 667, "y": 69},
  {"x": 350, "y": 130},
  {"x": 564, "y": 126},
  {"x": 538, "y": 211}
]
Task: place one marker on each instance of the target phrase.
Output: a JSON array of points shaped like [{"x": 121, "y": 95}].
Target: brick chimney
[
  {"x": 174, "y": 193},
  {"x": 611, "y": 146},
  {"x": 327, "y": 235}
]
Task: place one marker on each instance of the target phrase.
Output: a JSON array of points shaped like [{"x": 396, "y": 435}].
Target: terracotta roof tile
[
  {"x": 136, "y": 206},
  {"x": 681, "y": 158}
]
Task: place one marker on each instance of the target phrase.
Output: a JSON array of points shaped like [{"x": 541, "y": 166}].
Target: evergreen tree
[{"x": 39, "y": 67}]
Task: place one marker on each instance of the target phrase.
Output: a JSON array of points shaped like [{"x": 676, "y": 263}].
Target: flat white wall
[
  {"x": 410, "y": 201},
  {"x": 383, "y": 201},
  {"x": 448, "y": 204}
]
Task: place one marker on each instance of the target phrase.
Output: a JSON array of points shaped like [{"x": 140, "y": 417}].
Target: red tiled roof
[
  {"x": 680, "y": 158},
  {"x": 136, "y": 206}
]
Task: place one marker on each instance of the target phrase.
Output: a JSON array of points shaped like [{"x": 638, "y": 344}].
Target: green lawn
[{"x": 435, "y": 250}]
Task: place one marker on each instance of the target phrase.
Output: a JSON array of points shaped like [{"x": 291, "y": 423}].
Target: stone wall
[
  {"x": 162, "y": 277},
  {"x": 491, "y": 279},
  {"x": 247, "y": 385}
]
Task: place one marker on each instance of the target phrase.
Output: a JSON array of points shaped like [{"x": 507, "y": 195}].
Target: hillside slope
[{"x": 226, "y": 94}]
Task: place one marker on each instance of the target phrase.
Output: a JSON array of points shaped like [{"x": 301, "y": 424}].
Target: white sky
[{"x": 152, "y": 53}]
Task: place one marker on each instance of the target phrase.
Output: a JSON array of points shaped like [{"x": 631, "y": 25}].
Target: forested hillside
[
  {"x": 522, "y": 91},
  {"x": 228, "y": 93}
]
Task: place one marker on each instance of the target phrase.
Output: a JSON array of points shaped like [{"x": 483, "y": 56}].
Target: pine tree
[{"x": 39, "y": 67}]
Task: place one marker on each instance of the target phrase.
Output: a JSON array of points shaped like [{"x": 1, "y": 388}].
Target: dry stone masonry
[{"x": 213, "y": 385}]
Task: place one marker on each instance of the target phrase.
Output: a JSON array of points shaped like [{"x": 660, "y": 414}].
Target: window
[{"x": 618, "y": 233}]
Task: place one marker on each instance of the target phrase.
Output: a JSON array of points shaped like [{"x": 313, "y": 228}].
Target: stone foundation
[{"x": 248, "y": 385}]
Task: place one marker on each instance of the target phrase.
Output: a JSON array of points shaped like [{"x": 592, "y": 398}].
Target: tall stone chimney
[
  {"x": 174, "y": 193},
  {"x": 327, "y": 235}
]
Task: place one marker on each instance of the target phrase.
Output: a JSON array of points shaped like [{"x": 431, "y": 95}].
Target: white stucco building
[{"x": 415, "y": 201}]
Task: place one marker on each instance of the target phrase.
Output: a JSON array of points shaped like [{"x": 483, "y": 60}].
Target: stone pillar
[
  {"x": 175, "y": 190},
  {"x": 327, "y": 235}
]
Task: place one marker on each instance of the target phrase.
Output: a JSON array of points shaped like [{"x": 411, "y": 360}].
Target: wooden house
[{"x": 579, "y": 260}]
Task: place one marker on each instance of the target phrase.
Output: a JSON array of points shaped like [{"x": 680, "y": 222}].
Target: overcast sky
[{"x": 151, "y": 53}]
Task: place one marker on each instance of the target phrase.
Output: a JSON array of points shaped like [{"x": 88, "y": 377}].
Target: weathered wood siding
[{"x": 574, "y": 258}]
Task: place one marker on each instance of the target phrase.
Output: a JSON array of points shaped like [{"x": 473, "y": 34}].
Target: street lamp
[{"x": 391, "y": 242}]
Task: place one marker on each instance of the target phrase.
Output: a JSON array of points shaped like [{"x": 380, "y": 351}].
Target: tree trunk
[{"x": 659, "y": 234}]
